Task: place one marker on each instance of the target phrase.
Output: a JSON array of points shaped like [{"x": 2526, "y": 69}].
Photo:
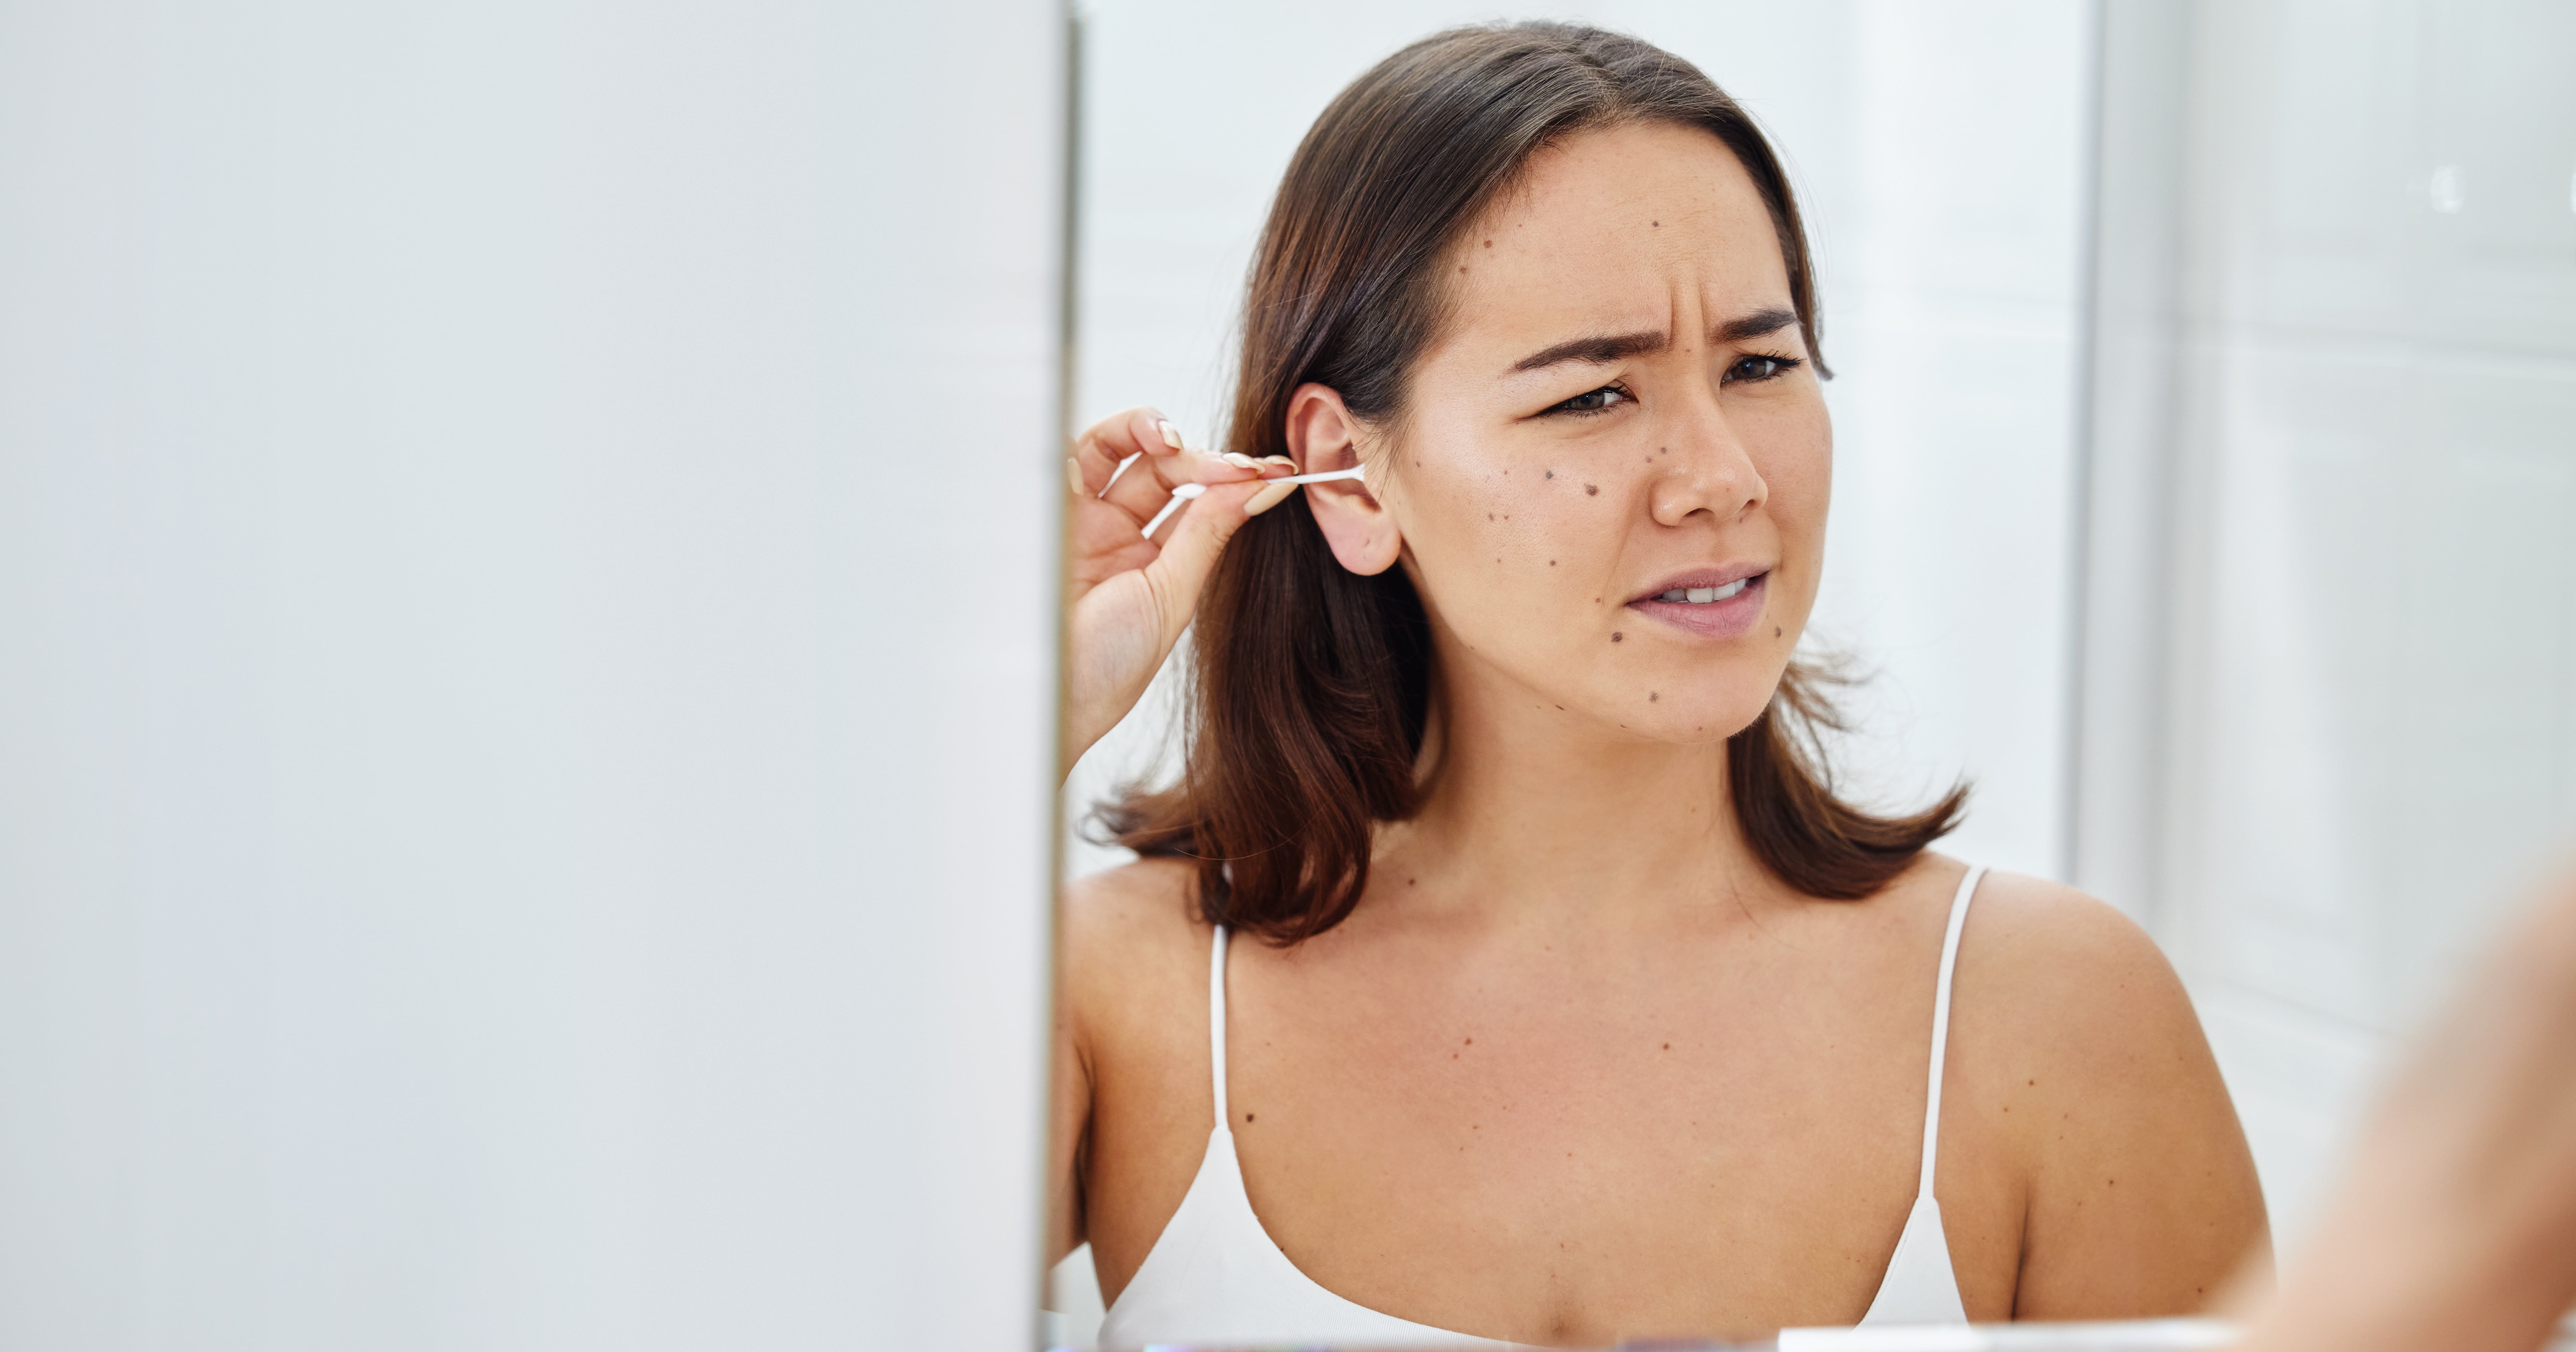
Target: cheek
[
  {"x": 1494, "y": 548},
  {"x": 1799, "y": 471}
]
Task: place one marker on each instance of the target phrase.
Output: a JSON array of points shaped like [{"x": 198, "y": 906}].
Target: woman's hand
[{"x": 1128, "y": 597}]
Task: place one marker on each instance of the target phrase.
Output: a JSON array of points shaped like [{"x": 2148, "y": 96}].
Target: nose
[{"x": 1701, "y": 465}]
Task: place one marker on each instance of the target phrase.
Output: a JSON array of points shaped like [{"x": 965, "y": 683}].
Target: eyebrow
[{"x": 1604, "y": 349}]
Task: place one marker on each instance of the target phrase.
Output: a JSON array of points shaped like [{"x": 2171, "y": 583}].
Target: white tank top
[{"x": 1214, "y": 1278}]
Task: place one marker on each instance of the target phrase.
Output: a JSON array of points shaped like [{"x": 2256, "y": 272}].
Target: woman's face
[{"x": 1610, "y": 483}]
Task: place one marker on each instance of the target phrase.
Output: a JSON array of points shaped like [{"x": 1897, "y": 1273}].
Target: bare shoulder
[
  {"x": 2034, "y": 923},
  {"x": 2078, "y": 1049},
  {"x": 1129, "y": 943},
  {"x": 2072, "y": 980}
]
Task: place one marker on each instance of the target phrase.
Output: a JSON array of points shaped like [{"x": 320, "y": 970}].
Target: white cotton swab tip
[
  {"x": 1181, "y": 497},
  {"x": 1185, "y": 492}
]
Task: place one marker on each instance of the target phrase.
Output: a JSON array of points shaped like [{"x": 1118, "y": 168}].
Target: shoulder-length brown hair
[{"x": 1313, "y": 684}]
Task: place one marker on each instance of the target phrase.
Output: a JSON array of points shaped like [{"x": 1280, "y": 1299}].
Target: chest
[
  {"x": 1681, "y": 1145},
  {"x": 1584, "y": 1161}
]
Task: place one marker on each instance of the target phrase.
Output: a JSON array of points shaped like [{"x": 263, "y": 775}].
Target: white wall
[
  {"x": 1940, "y": 153},
  {"x": 525, "y": 672},
  {"x": 2368, "y": 731}
]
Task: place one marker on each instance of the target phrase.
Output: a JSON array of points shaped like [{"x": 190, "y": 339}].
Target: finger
[
  {"x": 1134, "y": 459},
  {"x": 1146, "y": 488},
  {"x": 1152, "y": 438},
  {"x": 1191, "y": 546},
  {"x": 1104, "y": 539},
  {"x": 1104, "y": 547},
  {"x": 1114, "y": 440}
]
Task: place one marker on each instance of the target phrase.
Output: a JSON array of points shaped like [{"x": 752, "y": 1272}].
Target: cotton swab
[
  {"x": 1181, "y": 497},
  {"x": 1354, "y": 472},
  {"x": 1187, "y": 492}
]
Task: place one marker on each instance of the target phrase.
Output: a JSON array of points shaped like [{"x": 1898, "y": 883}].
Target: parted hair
[{"x": 1312, "y": 686}]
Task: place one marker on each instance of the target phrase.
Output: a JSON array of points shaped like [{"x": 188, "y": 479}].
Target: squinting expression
[{"x": 1612, "y": 475}]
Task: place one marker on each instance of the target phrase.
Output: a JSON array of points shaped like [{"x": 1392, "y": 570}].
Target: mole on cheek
[
  {"x": 1617, "y": 637},
  {"x": 1551, "y": 474},
  {"x": 1592, "y": 490},
  {"x": 1775, "y": 631},
  {"x": 1651, "y": 697}
]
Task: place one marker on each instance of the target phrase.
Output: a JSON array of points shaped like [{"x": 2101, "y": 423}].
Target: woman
[{"x": 1574, "y": 1007}]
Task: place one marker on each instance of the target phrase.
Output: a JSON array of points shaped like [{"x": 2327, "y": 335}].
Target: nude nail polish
[
  {"x": 1073, "y": 476},
  {"x": 1267, "y": 498},
  {"x": 1171, "y": 434},
  {"x": 1241, "y": 461}
]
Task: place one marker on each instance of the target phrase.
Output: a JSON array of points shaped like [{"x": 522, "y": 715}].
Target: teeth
[{"x": 1700, "y": 596}]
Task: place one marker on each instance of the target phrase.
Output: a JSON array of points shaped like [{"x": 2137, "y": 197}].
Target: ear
[{"x": 1323, "y": 436}]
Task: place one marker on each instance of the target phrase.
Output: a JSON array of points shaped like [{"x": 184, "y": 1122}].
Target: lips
[
  {"x": 1702, "y": 578},
  {"x": 1715, "y": 603}
]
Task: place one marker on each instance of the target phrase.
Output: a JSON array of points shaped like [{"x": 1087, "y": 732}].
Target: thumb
[{"x": 1181, "y": 569}]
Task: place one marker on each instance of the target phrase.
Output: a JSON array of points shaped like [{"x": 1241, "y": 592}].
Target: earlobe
[{"x": 1323, "y": 435}]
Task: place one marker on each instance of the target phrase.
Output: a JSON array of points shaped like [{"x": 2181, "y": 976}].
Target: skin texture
[{"x": 1578, "y": 1069}]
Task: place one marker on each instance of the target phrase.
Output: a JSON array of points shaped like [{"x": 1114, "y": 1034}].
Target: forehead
[{"x": 1612, "y": 229}]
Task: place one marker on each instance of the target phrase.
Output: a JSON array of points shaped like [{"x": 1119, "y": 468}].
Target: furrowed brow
[
  {"x": 1600, "y": 350},
  {"x": 1760, "y": 323}
]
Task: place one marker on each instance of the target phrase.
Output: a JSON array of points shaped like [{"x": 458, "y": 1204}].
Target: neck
[{"x": 1529, "y": 814}]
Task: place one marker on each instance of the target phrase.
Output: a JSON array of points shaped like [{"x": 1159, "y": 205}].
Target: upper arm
[
  {"x": 1127, "y": 951},
  {"x": 2140, "y": 1194},
  {"x": 1068, "y": 1124}
]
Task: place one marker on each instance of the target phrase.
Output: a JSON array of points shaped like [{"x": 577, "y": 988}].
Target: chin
[{"x": 1684, "y": 721}]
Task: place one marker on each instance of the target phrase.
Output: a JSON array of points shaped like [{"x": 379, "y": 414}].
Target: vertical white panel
[
  {"x": 2126, "y": 535},
  {"x": 525, "y": 671},
  {"x": 1952, "y": 315},
  {"x": 2368, "y": 733}
]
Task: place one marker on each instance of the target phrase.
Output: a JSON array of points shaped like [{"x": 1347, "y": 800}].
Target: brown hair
[{"x": 1313, "y": 684}]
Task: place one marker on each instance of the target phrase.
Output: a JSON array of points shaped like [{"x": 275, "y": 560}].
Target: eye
[
  {"x": 1755, "y": 366},
  {"x": 1596, "y": 401}
]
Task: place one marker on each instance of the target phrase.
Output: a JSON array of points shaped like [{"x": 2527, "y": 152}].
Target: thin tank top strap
[
  {"x": 1940, "y": 1022},
  {"x": 1216, "y": 1020}
]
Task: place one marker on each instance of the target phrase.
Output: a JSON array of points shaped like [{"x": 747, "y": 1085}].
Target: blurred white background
[
  {"x": 526, "y": 670},
  {"x": 2331, "y": 658},
  {"x": 2205, "y": 427}
]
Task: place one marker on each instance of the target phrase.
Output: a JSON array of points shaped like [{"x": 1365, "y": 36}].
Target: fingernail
[
  {"x": 1279, "y": 460},
  {"x": 1267, "y": 498},
  {"x": 1073, "y": 476},
  {"x": 1241, "y": 461},
  {"x": 1171, "y": 434}
]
